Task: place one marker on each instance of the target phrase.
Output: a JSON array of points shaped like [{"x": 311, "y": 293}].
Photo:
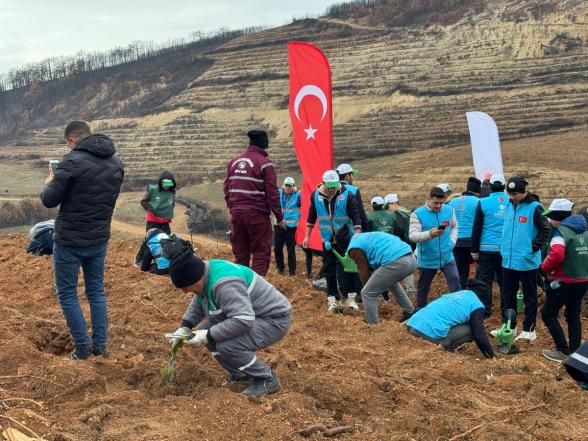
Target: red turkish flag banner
[{"x": 312, "y": 124}]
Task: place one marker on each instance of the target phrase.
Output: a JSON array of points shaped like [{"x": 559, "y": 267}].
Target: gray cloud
[{"x": 35, "y": 29}]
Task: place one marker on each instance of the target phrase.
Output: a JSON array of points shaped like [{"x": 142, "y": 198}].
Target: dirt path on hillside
[{"x": 353, "y": 25}]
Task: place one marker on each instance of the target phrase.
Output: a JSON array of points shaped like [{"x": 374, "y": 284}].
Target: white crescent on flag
[{"x": 310, "y": 89}]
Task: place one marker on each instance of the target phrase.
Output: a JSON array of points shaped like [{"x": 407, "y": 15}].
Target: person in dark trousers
[
  {"x": 525, "y": 231},
  {"x": 455, "y": 319},
  {"x": 487, "y": 234},
  {"x": 333, "y": 206},
  {"x": 251, "y": 194},
  {"x": 153, "y": 259},
  {"x": 346, "y": 177},
  {"x": 290, "y": 203},
  {"x": 465, "y": 207},
  {"x": 41, "y": 238},
  {"x": 86, "y": 184},
  {"x": 236, "y": 312},
  {"x": 159, "y": 202},
  {"x": 566, "y": 266},
  {"x": 433, "y": 227}
]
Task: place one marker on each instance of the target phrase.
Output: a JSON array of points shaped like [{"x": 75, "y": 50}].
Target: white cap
[
  {"x": 343, "y": 169},
  {"x": 331, "y": 179},
  {"x": 444, "y": 187},
  {"x": 497, "y": 177},
  {"x": 378, "y": 200},
  {"x": 289, "y": 181},
  {"x": 560, "y": 205},
  {"x": 391, "y": 198}
]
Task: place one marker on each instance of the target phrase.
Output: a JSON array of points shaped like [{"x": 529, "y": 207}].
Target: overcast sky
[{"x": 31, "y": 30}]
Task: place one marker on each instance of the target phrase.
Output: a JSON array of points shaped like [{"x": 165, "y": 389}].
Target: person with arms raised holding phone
[{"x": 433, "y": 227}]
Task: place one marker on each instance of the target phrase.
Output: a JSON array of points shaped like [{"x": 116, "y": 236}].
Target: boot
[{"x": 261, "y": 387}]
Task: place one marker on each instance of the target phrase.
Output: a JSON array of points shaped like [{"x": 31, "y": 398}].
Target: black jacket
[{"x": 85, "y": 185}]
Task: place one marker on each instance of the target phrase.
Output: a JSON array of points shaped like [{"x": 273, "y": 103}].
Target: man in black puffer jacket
[{"x": 85, "y": 184}]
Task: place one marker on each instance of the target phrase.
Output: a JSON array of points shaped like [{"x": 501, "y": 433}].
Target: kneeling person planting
[
  {"x": 237, "y": 312},
  {"x": 383, "y": 260}
]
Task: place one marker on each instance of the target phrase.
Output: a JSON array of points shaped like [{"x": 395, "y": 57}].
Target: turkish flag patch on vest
[{"x": 523, "y": 219}]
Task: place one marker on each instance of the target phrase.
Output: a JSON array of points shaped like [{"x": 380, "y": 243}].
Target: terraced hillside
[{"x": 395, "y": 89}]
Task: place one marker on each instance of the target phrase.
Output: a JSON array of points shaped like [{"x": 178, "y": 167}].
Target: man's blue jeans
[{"x": 66, "y": 267}]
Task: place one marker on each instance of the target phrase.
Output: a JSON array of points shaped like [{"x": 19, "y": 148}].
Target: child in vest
[
  {"x": 455, "y": 319},
  {"x": 153, "y": 259},
  {"x": 236, "y": 312},
  {"x": 290, "y": 204},
  {"x": 159, "y": 202},
  {"x": 566, "y": 266}
]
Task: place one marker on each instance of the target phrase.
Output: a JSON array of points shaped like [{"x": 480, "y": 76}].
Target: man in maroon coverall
[{"x": 251, "y": 193}]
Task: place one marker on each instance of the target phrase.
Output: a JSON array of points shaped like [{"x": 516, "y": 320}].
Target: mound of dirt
[{"x": 335, "y": 371}]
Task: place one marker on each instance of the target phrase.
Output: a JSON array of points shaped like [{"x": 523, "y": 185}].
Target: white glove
[
  {"x": 184, "y": 331},
  {"x": 199, "y": 338}
]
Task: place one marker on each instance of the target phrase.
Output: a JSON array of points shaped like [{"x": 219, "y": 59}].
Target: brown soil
[{"x": 335, "y": 371}]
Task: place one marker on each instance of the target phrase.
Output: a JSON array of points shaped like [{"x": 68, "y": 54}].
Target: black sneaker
[
  {"x": 99, "y": 352},
  {"x": 260, "y": 387},
  {"x": 281, "y": 272},
  {"x": 80, "y": 353}
]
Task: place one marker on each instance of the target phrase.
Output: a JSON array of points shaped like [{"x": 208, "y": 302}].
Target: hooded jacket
[
  {"x": 85, "y": 185},
  {"x": 162, "y": 211},
  {"x": 555, "y": 261}
]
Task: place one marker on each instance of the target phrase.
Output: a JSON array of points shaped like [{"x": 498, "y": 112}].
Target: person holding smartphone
[{"x": 433, "y": 227}]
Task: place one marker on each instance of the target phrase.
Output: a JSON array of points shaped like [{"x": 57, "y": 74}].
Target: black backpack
[{"x": 176, "y": 249}]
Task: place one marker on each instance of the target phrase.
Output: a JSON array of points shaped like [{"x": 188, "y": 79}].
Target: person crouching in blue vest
[
  {"x": 153, "y": 259},
  {"x": 236, "y": 312},
  {"x": 455, "y": 319},
  {"x": 333, "y": 206},
  {"x": 433, "y": 227},
  {"x": 290, "y": 203},
  {"x": 383, "y": 260},
  {"x": 487, "y": 234},
  {"x": 465, "y": 210},
  {"x": 525, "y": 231}
]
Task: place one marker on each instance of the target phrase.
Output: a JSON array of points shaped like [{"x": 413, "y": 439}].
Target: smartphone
[
  {"x": 53, "y": 164},
  {"x": 442, "y": 227}
]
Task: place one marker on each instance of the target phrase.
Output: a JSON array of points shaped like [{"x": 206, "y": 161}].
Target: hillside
[
  {"x": 335, "y": 371},
  {"x": 395, "y": 88}
]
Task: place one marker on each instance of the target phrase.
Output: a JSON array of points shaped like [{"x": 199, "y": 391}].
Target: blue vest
[
  {"x": 352, "y": 188},
  {"x": 465, "y": 211},
  {"x": 290, "y": 207},
  {"x": 438, "y": 317},
  {"x": 437, "y": 252},
  {"x": 517, "y": 235},
  {"x": 379, "y": 248},
  {"x": 154, "y": 245},
  {"x": 494, "y": 208},
  {"x": 332, "y": 222}
]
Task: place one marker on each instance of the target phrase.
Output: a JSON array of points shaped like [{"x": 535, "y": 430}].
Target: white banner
[{"x": 485, "y": 145}]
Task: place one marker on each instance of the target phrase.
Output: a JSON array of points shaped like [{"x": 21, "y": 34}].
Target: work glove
[
  {"x": 199, "y": 339},
  {"x": 182, "y": 330}
]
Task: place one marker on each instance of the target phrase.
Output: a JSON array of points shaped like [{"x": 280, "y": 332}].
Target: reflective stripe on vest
[{"x": 339, "y": 219}]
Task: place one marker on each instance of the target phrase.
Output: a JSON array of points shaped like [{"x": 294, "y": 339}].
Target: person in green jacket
[
  {"x": 159, "y": 202},
  {"x": 379, "y": 218}
]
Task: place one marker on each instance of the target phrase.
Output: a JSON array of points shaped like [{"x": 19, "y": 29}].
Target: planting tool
[{"x": 347, "y": 262}]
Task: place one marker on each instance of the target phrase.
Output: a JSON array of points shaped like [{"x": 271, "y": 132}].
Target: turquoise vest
[
  {"x": 162, "y": 201},
  {"x": 465, "y": 212},
  {"x": 154, "y": 245},
  {"x": 517, "y": 235},
  {"x": 379, "y": 248},
  {"x": 438, "y": 317},
  {"x": 290, "y": 207},
  {"x": 221, "y": 269},
  {"x": 437, "y": 252},
  {"x": 494, "y": 208},
  {"x": 330, "y": 223}
]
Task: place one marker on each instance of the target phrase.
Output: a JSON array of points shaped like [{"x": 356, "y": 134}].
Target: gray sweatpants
[
  {"x": 388, "y": 276},
  {"x": 457, "y": 336},
  {"x": 237, "y": 355}
]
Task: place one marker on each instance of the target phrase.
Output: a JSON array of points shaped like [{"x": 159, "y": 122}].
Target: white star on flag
[{"x": 310, "y": 132}]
